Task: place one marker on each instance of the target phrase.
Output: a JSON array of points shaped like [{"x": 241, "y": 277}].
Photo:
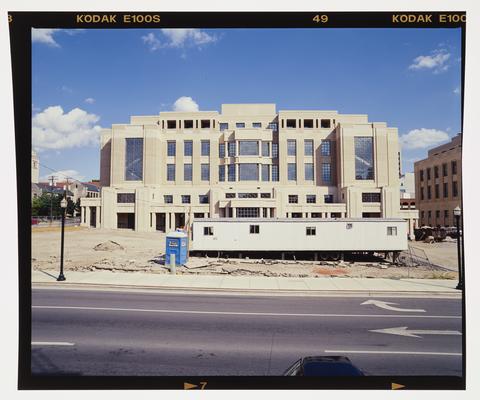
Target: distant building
[
  {"x": 407, "y": 192},
  {"x": 36, "y": 191},
  {"x": 438, "y": 184}
]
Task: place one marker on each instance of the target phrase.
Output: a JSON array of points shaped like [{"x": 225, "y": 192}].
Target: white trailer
[{"x": 333, "y": 236}]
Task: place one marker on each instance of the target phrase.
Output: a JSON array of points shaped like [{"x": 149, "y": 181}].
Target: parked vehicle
[{"x": 323, "y": 366}]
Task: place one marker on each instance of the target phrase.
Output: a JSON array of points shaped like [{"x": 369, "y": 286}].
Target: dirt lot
[{"x": 124, "y": 250}]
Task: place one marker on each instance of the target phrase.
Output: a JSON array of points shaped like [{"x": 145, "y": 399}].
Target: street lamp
[
  {"x": 457, "y": 212},
  {"x": 63, "y": 204}
]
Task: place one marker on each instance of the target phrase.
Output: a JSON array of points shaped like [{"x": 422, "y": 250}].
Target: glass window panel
[
  {"x": 187, "y": 147},
  {"x": 170, "y": 172},
  {"x": 205, "y": 144},
  {"x": 171, "y": 149},
  {"x": 309, "y": 172},
  {"x": 187, "y": 172},
  {"x": 231, "y": 172},
  {"x": 292, "y": 172},
  {"x": 232, "y": 149},
  {"x": 275, "y": 176},
  {"x": 248, "y": 172},
  {"x": 265, "y": 149},
  {"x": 248, "y": 148},
  {"x": 364, "y": 158},
  {"x": 265, "y": 173},
  {"x": 308, "y": 147},
  {"x": 326, "y": 173},
  {"x": 275, "y": 150},
  {"x": 325, "y": 147},
  {"x": 223, "y": 126},
  {"x": 221, "y": 173},
  {"x": 221, "y": 150},
  {"x": 205, "y": 172},
  {"x": 240, "y": 124},
  {"x": 133, "y": 159},
  {"x": 291, "y": 147}
]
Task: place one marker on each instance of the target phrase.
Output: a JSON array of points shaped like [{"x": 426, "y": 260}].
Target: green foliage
[
  {"x": 41, "y": 205},
  {"x": 70, "y": 207}
]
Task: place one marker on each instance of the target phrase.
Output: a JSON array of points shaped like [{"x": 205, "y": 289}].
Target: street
[{"x": 93, "y": 332}]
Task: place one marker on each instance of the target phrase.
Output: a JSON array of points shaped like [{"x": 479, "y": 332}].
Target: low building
[{"x": 438, "y": 184}]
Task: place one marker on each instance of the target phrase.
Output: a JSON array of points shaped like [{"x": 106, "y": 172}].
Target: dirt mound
[
  {"x": 109, "y": 245},
  {"x": 330, "y": 271}
]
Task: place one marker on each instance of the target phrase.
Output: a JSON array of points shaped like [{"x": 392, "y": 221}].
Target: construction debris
[{"x": 108, "y": 246}]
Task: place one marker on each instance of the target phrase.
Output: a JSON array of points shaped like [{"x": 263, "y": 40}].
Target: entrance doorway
[
  {"x": 160, "y": 222},
  {"x": 93, "y": 217},
  {"x": 179, "y": 220},
  {"x": 126, "y": 220}
]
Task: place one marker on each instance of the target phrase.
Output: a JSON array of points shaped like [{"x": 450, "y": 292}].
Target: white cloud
[
  {"x": 423, "y": 138},
  {"x": 436, "y": 61},
  {"x": 185, "y": 104},
  {"x": 63, "y": 175},
  {"x": 44, "y": 36},
  {"x": 456, "y": 90},
  {"x": 89, "y": 100},
  {"x": 178, "y": 38},
  {"x": 66, "y": 89},
  {"x": 54, "y": 129}
]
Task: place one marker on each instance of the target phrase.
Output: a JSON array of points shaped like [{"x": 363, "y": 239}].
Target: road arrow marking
[
  {"x": 187, "y": 386},
  {"x": 403, "y": 331},
  {"x": 385, "y": 305},
  {"x": 396, "y": 386}
]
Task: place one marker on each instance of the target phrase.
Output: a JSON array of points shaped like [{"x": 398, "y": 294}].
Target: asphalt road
[{"x": 88, "y": 332}]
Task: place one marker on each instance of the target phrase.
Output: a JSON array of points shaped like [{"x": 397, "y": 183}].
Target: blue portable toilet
[{"x": 177, "y": 243}]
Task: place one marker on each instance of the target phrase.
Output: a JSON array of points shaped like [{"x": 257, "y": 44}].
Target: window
[
  {"x": 221, "y": 173},
  {"x": 293, "y": 199},
  {"x": 421, "y": 175},
  {"x": 445, "y": 169},
  {"x": 248, "y": 172},
  {"x": 188, "y": 124},
  {"x": 429, "y": 214},
  {"x": 437, "y": 191},
  {"x": 208, "y": 231},
  {"x": 240, "y": 124},
  {"x": 275, "y": 176},
  {"x": 316, "y": 215},
  {"x": 311, "y": 198},
  {"x": 309, "y": 172},
  {"x": 274, "y": 150},
  {"x": 255, "y": 229},
  {"x": 335, "y": 215},
  {"x": 428, "y": 174},
  {"x": 265, "y": 149},
  {"x": 133, "y": 159},
  {"x": 170, "y": 172},
  {"x": 454, "y": 167},
  {"x": 454, "y": 188},
  {"x": 168, "y": 199},
  {"x": 231, "y": 173},
  {"x": 221, "y": 150},
  {"x": 437, "y": 214},
  {"x": 422, "y": 214},
  {"x": 171, "y": 148},
  {"x": 250, "y": 195},
  {"x": 223, "y": 126},
  {"x": 247, "y": 212},
  {"x": 325, "y": 123},
  {"x": 292, "y": 172},
  {"x": 429, "y": 192},
  {"x": 185, "y": 199},
  {"x": 349, "y": 226},
  {"x": 205, "y": 147},
  {"x": 308, "y": 123},
  {"x": 125, "y": 197},
  {"x": 291, "y": 123},
  {"x": 311, "y": 231},
  {"x": 308, "y": 147},
  {"x": 328, "y": 198},
  {"x": 325, "y": 148},
  {"x": 296, "y": 215},
  {"x": 445, "y": 214},
  {"x": 232, "y": 149},
  {"x": 422, "y": 194},
  {"x": 265, "y": 172},
  {"x": 171, "y": 124},
  {"x": 364, "y": 158},
  {"x": 187, "y": 172},
  {"x": 291, "y": 147},
  {"x": 203, "y": 198},
  {"x": 256, "y": 124},
  {"x": 326, "y": 173},
  {"x": 205, "y": 124},
  {"x": 391, "y": 231},
  {"x": 205, "y": 172},
  {"x": 445, "y": 189},
  {"x": 371, "y": 197},
  {"x": 248, "y": 147},
  {"x": 266, "y": 195},
  {"x": 229, "y": 195},
  {"x": 187, "y": 148},
  {"x": 273, "y": 126},
  {"x": 435, "y": 171}
]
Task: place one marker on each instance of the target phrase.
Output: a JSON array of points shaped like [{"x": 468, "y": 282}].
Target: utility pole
[{"x": 52, "y": 184}]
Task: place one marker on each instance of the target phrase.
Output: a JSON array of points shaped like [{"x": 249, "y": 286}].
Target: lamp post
[
  {"x": 63, "y": 204},
  {"x": 457, "y": 212}
]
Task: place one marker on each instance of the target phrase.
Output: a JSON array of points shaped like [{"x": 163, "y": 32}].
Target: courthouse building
[
  {"x": 160, "y": 172},
  {"x": 438, "y": 181}
]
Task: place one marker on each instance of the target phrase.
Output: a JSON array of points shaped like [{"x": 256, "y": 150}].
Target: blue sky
[{"x": 86, "y": 79}]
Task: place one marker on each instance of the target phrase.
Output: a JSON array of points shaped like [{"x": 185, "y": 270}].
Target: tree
[
  {"x": 70, "y": 207},
  {"x": 41, "y": 205}
]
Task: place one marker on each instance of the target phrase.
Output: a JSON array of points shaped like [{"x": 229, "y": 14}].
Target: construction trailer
[{"x": 325, "y": 238}]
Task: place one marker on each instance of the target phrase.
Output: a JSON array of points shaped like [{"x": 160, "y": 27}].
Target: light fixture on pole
[
  {"x": 457, "y": 212},
  {"x": 63, "y": 204}
]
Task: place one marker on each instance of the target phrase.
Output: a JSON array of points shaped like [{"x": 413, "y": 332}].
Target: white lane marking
[
  {"x": 427, "y": 353},
  {"x": 244, "y": 313},
  {"x": 403, "y": 331},
  {"x": 385, "y": 305},
  {"x": 52, "y": 344}
]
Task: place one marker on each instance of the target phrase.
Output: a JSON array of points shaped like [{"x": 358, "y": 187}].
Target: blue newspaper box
[{"x": 177, "y": 243}]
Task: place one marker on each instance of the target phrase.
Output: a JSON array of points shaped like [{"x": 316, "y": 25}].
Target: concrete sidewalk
[{"x": 342, "y": 286}]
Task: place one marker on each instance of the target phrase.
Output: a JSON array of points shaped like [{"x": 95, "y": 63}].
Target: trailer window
[
  {"x": 208, "y": 231},
  {"x": 254, "y": 228},
  {"x": 311, "y": 231},
  {"x": 391, "y": 231},
  {"x": 349, "y": 226}
]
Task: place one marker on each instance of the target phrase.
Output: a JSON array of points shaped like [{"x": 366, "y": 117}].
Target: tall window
[
  {"x": 292, "y": 147},
  {"x": 275, "y": 176},
  {"x": 265, "y": 172},
  {"x": 454, "y": 188},
  {"x": 205, "y": 145},
  {"x": 187, "y": 172},
  {"x": 325, "y": 148},
  {"x": 274, "y": 150},
  {"x": 445, "y": 169},
  {"x": 422, "y": 194},
  {"x": 231, "y": 149},
  {"x": 421, "y": 175},
  {"x": 205, "y": 172},
  {"x": 187, "y": 148},
  {"x": 223, "y": 126},
  {"x": 231, "y": 172},
  {"x": 248, "y": 172},
  {"x": 435, "y": 171},
  {"x": 221, "y": 150},
  {"x": 171, "y": 148},
  {"x": 445, "y": 190},
  {"x": 309, "y": 172},
  {"x": 248, "y": 148},
  {"x": 437, "y": 191},
  {"x": 221, "y": 173},
  {"x": 133, "y": 159},
  {"x": 454, "y": 167},
  {"x": 292, "y": 171},
  {"x": 326, "y": 173},
  {"x": 170, "y": 172},
  {"x": 308, "y": 147},
  {"x": 364, "y": 158},
  {"x": 429, "y": 192},
  {"x": 428, "y": 174},
  {"x": 265, "y": 149}
]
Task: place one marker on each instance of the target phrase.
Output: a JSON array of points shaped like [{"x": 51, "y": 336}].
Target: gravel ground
[{"x": 123, "y": 250}]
